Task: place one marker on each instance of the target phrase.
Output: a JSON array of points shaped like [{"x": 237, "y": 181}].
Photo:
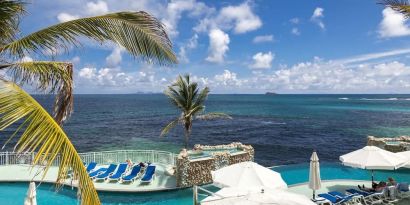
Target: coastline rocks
[
  {"x": 392, "y": 144},
  {"x": 205, "y": 158}
]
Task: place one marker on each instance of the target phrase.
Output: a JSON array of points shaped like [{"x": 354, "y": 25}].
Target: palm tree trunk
[{"x": 187, "y": 133}]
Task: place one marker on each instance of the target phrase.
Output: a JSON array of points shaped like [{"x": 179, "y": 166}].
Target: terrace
[{"x": 16, "y": 168}]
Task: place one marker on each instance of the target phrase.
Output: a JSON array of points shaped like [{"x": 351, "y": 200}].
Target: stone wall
[
  {"x": 198, "y": 171},
  {"x": 392, "y": 144}
]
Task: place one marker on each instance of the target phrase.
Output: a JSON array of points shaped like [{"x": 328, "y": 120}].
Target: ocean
[{"x": 283, "y": 129}]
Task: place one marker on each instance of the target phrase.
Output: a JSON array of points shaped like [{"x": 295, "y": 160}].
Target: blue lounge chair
[
  {"x": 368, "y": 197},
  {"x": 97, "y": 172},
  {"x": 332, "y": 199},
  {"x": 91, "y": 166},
  {"x": 106, "y": 173},
  {"x": 118, "y": 174},
  {"x": 149, "y": 174},
  {"x": 134, "y": 174},
  {"x": 351, "y": 197},
  {"x": 403, "y": 189}
]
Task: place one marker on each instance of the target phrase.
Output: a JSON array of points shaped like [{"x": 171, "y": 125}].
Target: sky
[{"x": 250, "y": 46}]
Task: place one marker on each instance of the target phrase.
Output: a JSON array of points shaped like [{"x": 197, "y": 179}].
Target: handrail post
[
  {"x": 195, "y": 194},
  {"x": 7, "y": 157},
  {"x": 32, "y": 157},
  {"x": 152, "y": 156}
]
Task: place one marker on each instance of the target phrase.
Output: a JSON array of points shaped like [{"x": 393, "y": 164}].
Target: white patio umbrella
[
  {"x": 247, "y": 175},
  {"x": 373, "y": 158},
  {"x": 236, "y": 196},
  {"x": 405, "y": 154},
  {"x": 314, "y": 174},
  {"x": 31, "y": 195}
]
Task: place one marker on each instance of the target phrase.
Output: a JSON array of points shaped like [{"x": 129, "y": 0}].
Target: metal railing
[{"x": 105, "y": 157}]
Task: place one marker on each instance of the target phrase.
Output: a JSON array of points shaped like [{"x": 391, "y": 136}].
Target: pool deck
[
  {"x": 336, "y": 185},
  {"x": 328, "y": 185},
  {"x": 24, "y": 173}
]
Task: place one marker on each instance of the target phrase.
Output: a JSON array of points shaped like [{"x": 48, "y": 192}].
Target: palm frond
[
  {"x": 194, "y": 111},
  {"x": 40, "y": 133},
  {"x": 10, "y": 11},
  {"x": 50, "y": 76},
  {"x": 201, "y": 97},
  {"x": 175, "y": 97},
  {"x": 138, "y": 32},
  {"x": 214, "y": 115},
  {"x": 402, "y": 6},
  {"x": 168, "y": 128}
]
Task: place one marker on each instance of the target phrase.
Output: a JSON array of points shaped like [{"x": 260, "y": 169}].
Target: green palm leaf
[
  {"x": 168, "y": 128},
  {"x": 187, "y": 97},
  {"x": 42, "y": 134},
  {"x": 402, "y": 6},
  {"x": 10, "y": 12},
  {"x": 138, "y": 32},
  {"x": 50, "y": 76}
]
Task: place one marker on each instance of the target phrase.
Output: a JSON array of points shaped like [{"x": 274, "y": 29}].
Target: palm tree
[
  {"x": 187, "y": 97},
  {"x": 141, "y": 34},
  {"x": 402, "y": 6}
]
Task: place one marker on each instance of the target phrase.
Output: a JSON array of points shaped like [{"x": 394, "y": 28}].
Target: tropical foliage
[
  {"x": 139, "y": 33},
  {"x": 186, "y": 96},
  {"x": 402, "y": 6}
]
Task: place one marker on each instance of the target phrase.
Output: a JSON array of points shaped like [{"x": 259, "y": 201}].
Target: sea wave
[
  {"x": 343, "y": 98},
  {"x": 273, "y": 123},
  {"x": 380, "y": 99}
]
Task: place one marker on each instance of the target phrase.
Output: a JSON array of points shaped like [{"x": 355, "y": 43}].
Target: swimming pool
[{"x": 14, "y": 193}]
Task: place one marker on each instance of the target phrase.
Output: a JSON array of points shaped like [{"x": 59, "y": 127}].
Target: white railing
[{"x": 106, "y": 157}]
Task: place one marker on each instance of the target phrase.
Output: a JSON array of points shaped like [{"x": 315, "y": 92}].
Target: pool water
[
  {"x": 393, "y": 143},
  {"x": 299, "y": 173},
  {"x": 208, "y": 153},
  {"x": 14, "y": 193}
]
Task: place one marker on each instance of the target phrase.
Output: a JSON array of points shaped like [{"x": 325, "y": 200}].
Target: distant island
[{"x": 270, "y": 93}]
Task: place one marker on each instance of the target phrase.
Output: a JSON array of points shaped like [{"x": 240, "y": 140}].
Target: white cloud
[
  {"x": 116, "y": 77},
  {"x": 336, "y": 78},
  {"x": 26, "y": 59},
  {"x": 218, "y": 46},
  {"x": 87, "y": 73},
  {"x": 176, "y": 8},
  {"x": 97, "y": 8},
  {"x": 372, "y": 56},
  {"x": 393, "y": 24},
  {"x": 319, "y": 77},
  {"x": 169, "y": 12},
  {"x": 295, "y": 31},
  {"x": 64, "y": 17},
  {"x": 243, "y": 17},
  {"x": 76, "y": 59},
  {"x": 294, "y": 20},
  {"x": 190, "y": 45},
  {"x": 228, "y": 78},
  {"x": 317, "y": 17},
  {"x": 262, "y": 60},
  {"x": 115, "y": 58},
  {"x": 263, "y": 39},
  {"x": 240, "y": 18}
]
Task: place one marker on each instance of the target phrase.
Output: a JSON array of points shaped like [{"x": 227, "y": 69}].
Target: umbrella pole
[
  {"x": 372, "y": 177},
  {"x": 195, "y": 197},
  {"x": 314, "y": 195}
]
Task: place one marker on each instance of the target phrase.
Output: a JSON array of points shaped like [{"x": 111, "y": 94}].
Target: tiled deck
[
  {"x": 333, "y": 185},
  {"x": 22, "y": 173}
]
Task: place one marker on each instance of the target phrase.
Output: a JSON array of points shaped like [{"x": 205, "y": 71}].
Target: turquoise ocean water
[
  {"x": 14, "y": 193},
  {"x": 284, "y": 129}
]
